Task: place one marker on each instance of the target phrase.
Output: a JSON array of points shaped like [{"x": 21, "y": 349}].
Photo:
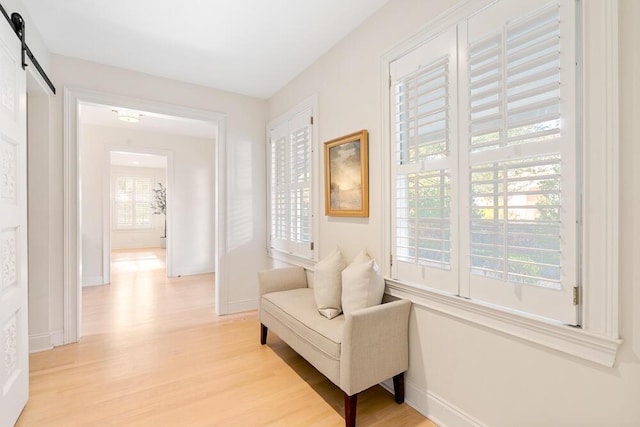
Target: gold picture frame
[{"x": 346, "y": 175}]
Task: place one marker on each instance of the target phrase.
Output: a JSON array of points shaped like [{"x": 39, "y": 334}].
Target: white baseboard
[
  {"x": 92, "y": 281},
  {"x": 40, "y": 342},
  {"x": 57, "y": 338},
  {"x": 239, "y": 306},
  {"x": 438, "y": 410},
  {"x": 194, "y": 271}
]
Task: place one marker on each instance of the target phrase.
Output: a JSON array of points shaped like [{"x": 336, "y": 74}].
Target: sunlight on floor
[
  {"x": 139, "y": 292},
  {"x": 137, "y": 261}
]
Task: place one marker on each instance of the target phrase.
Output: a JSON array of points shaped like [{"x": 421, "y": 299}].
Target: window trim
[
  {"x": 310, "y": 103},
  {"x": 597, "y": 340}
]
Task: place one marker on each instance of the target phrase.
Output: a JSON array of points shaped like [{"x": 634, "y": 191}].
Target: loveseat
[{"x": 355, "y": 351}]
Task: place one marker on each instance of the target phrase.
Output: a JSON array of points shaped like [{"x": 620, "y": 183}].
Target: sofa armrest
[
  {"x": 281, "y": 279},
  {"x": 375, "y": 345}
]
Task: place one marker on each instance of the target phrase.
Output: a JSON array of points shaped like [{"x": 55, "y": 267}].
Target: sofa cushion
[
  {"x": 362, "y": 284},
  {"x": 327, "y": 284},
  {"x": 296, "y": 308}
]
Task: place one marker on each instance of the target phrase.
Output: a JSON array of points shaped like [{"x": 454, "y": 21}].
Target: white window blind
[
  {"x": 423, "y": 94},
  {"x": 132, "y": 202},
  {"x": 300, "y": 189},
  {"x": 484, "y": 177},
  {"x": 279, "y": 187},
  {"x": 515, "y": 221},
  {"x": 423, "y": 199},
  {"x": 291, "y": 153}
]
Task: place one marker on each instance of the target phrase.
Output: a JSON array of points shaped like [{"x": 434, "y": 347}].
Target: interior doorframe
[
  {"x": 106, "y": 205},
  {"x": 39, "y": 247},
  {"x": 72, "y": 245}
]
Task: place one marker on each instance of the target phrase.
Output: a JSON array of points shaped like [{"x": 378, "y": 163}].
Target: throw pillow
[
  {"x": 362, "y": 284},
  {"x": 327, "y": 285}
]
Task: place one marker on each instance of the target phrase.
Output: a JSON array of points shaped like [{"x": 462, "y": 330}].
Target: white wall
[
  {"x": 487, "y": 376},
  {"x": 348, "y": 84},
  {"x": 130, "y": 239},
  {"x": 192, "y": 196}
]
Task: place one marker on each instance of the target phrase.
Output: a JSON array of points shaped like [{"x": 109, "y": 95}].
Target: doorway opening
[
  {"x": 192, "y": 183},
  {"x": 136, "y": 203}
]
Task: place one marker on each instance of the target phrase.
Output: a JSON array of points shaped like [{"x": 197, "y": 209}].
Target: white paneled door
[{"x": 14, "y": 354}]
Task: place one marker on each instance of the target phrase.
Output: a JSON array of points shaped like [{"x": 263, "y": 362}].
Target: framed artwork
[{"x": 346, "y": 175}]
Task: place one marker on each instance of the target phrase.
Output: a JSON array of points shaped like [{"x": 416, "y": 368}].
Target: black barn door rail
[{"x": 17, "y": 23}]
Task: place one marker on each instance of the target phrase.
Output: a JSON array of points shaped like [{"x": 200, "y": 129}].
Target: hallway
[{"x": 153, "y": 353}]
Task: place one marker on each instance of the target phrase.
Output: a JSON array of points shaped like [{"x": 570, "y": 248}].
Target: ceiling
[
  {"x": 105, "y": 115},
  {"x": 252, "y": 47},
  {"x": 140, "y": 160}
]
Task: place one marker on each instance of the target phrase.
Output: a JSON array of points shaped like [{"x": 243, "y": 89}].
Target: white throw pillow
[
  {"x": 362, "y": 284},
  {"x": 327, "y": 284}
]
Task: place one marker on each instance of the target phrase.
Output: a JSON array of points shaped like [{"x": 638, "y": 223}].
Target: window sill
[
  {"x": 291, "y": 258},
  {"x": 567, "y": 339},
  {"x": 133, "y": 229}
]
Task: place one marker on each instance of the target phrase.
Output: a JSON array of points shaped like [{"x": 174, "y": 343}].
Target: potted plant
[{"x": 159, "y": 207}]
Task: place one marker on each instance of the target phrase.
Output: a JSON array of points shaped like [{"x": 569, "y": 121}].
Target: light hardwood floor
[{"x": 153, "y": 353}]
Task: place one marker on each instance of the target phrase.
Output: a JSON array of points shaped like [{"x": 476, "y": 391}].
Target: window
[
  {"x": 132, "y": 207},
  {"x": 485, "y": 171},
  {"x": 291, "y": 198},
  {"x": 487, "y": 186}
]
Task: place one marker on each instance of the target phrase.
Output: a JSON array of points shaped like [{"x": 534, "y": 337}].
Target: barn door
[{"x": 14, "y": 361}]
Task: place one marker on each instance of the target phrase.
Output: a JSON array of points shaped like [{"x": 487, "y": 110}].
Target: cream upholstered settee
[{"x": 355, "y": 351}]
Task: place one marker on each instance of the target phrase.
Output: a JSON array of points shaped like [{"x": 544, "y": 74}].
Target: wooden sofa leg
[
  {"x": 263, "y": 334},
  {"x": 350, "y": 404},
  {"x": 398, "y": 387}
]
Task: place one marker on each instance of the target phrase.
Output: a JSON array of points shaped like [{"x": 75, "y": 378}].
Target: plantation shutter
[
  {"x": 279, "y": 188},
  {"x": 484, "y": 160},
  {"x": 291, "y": 181},
  {"x": 133, "y": 202},
  {"x": 519, "y": 153},
  {"x": 424, "y": 220},
  {"x": 300, "y": 189},
  {"x": 124, "y": 198}
]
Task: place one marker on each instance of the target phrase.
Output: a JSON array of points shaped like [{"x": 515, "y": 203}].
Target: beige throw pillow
[
  {"x": 362, "y": 284},
  {"x": 327, "y": 284}
]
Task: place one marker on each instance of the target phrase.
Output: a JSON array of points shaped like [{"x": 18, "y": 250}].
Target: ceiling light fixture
[{"x": 128, "y": 116}]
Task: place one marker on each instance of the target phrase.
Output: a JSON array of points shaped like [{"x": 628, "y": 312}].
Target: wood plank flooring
[{"x": 153, "y": 353}]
